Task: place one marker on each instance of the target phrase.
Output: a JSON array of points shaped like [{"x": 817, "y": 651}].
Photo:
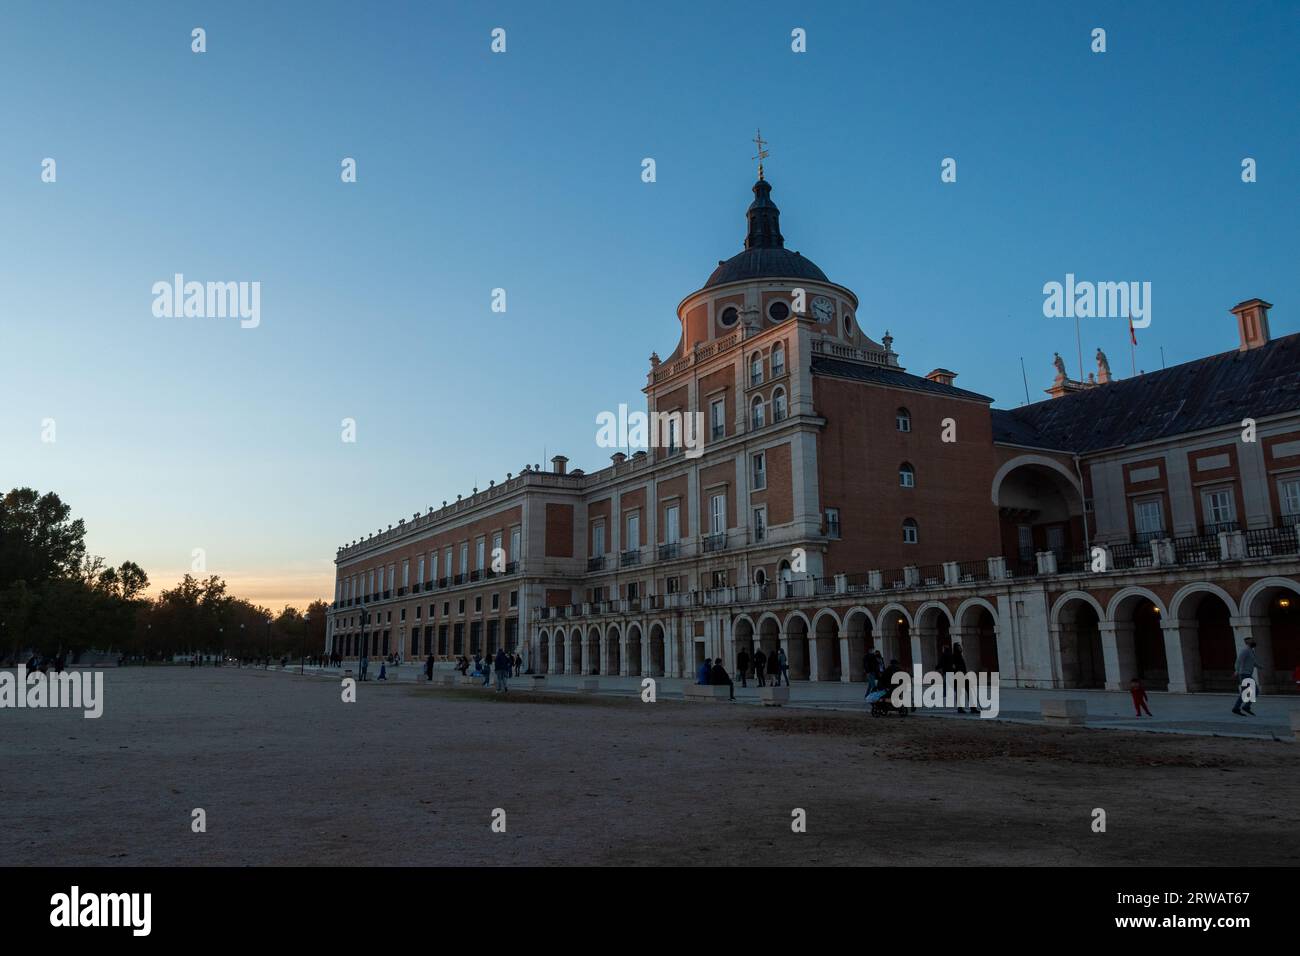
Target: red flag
[{"x": 1132, "y": 333}]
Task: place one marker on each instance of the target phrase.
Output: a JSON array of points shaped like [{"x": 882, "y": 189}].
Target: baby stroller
[{"x": 882, "y": 706}]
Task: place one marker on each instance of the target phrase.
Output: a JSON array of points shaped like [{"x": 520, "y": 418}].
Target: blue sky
[{"x": 522, "y": 171}]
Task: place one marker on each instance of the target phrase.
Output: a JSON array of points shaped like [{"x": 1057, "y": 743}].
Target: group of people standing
[
  {"x": 503, "y": 665},
  {"x": 767, "y": 668}
]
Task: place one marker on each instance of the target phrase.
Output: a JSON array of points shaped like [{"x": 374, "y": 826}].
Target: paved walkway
[{"x": 1173, "y": 713}]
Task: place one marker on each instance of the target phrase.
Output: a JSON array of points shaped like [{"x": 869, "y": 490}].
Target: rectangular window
[
  {"x": 478, "y": 603},
  {"x": 671, "y": 585},
  {"x": 496, "y": 600},
  {"x": 419, "y": 570},
  {"x": 672, "y": 525},
  {"x": 633, "y": 591},
  {"x": 418, "y": 609},
  {"x": 446, "y": 563},
  {"x": 717, "y": 514},
  {"x": 464, "y": 557},
  {"x": 757, "y": 413},
  {"x": 406, "y": 572},
  {"x": 598, "y": 540},
  {"x": 778, "y": 362},
  {"x": 1288, "y": 493},
  {"x": 832, "y": 522},
  {"x": 1149, "y": 519},
  {"x": 514, "y": 544},
  {"x": 446, "y": 608},
  {"x": 496, "y": 549},
  {"x": 633, "y": 532},
  {"x": 1218, "y": 509},
  {"x": 720, "y": 578},
  {"x": 403, "y": 615},
  {"x": 760, "y": 524},
  {"x": 718, "y": 417},
  {"x": 460, "y": 606},
  {"x": 392, "y": 577},
  {"x": 514, "y": 598},
  {"x": 759, "y": 471},
  {"x": 756, "y": 370}
]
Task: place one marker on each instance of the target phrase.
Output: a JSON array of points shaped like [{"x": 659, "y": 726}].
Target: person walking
[
  {"x": 504, "y": 665},
  {"x": 871, "y": 668},
  {"x": 781, "y": 668},
  {"x": 959, "y": 668},
  {"x": 519, "y": 663},
  {"x": 428, "y": 668},
  {"x": 742, "y": 666},
  {"x": 760, "y": 667},
  {"x": 1139, "y": 695},
  {"x": 1247, "y": 664},
  {"x": 719, "y": 677}
]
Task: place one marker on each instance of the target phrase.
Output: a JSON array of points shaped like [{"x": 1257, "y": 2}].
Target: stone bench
[
  {"x": 774, "y": 696},
  {"x": 1073, "y": 713},
  {"x": 587, "y": 685},
  {"x": 706, "y": 692}
]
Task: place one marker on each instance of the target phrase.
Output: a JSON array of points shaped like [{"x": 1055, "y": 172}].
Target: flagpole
[{"x": 1132, "y": 345}]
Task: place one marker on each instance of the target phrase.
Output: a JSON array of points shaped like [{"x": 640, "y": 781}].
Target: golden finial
[{"x": 762, "y": 153}]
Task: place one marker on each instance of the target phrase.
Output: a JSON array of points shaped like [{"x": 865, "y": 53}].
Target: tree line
[{"x": 57, "y": 599}]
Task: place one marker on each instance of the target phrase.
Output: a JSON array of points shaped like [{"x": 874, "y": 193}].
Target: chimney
[
  {"x": 1252, "y": 323},
  {"x": 618, "y": 458},
  {"x": 942, "y": 375},
  {"x": 558, "y": 464}
]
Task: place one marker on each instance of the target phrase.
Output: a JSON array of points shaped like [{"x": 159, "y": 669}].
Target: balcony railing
[
  {"x": 1199, "y": 549},
  {"x": 668, "y": 552},
  {"x": 596, "y": 563},
  {"x": 1267, "y": 542},
  {"x": 629, "y": 558},
  {"x": 715, "y": 542},
  {"x": 1215, "y": 527}
]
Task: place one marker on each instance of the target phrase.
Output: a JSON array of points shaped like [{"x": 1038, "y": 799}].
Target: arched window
[
  {"x": 755, "y": 368},
  {"x": 760, "y": 577},
  {"x": 756, "y": 412},
  {"x": 787, "y": 578},
  {"x": 903, "y": 420},
  {"x": 778, "y": 360},
  {"x": 906, "y": 476},
  {"x": 778, "y": 405},
  {"x": 909, "y": 531}
]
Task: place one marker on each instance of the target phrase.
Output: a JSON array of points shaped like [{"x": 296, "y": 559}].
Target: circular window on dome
[
  {"x": 778, "y": 311},
  {"x": 729, "y": 316},
  {"x": 848, "y": 323}
]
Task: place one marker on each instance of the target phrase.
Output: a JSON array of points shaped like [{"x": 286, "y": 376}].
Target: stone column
[
  {"x": 847, "y": 666},
  {"x": 645, "y": 650},
  {"x": 585, "y": 648},
  {"x": 1182, "y": 655},
  {"x": 1119, "y": 654}
]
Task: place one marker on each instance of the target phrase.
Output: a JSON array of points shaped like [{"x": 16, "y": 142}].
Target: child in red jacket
[{"x": 1139, "y": 697}]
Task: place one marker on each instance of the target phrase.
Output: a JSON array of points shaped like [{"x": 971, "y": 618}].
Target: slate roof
[
  {"x": 1209, "y": 392},
  {"x": 892, "y": 377},
  {"x": 765, "y": 263}
]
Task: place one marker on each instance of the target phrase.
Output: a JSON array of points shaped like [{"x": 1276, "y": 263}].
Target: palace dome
[{"x": 765, "y": 254}]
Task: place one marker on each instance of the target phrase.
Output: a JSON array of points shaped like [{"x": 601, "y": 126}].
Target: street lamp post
[
  {"x": 302, "y": 655},
  {"x": 268, "y": 643}
]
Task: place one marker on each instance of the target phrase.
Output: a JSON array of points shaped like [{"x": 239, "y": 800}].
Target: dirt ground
[{"x": 289, "y": 774}]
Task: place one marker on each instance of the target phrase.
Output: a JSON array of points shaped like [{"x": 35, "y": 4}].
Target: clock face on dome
[{"x": 822, "y": 308}]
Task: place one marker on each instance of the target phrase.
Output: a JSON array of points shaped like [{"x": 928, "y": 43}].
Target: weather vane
[{"x": 762, "y": 153}]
